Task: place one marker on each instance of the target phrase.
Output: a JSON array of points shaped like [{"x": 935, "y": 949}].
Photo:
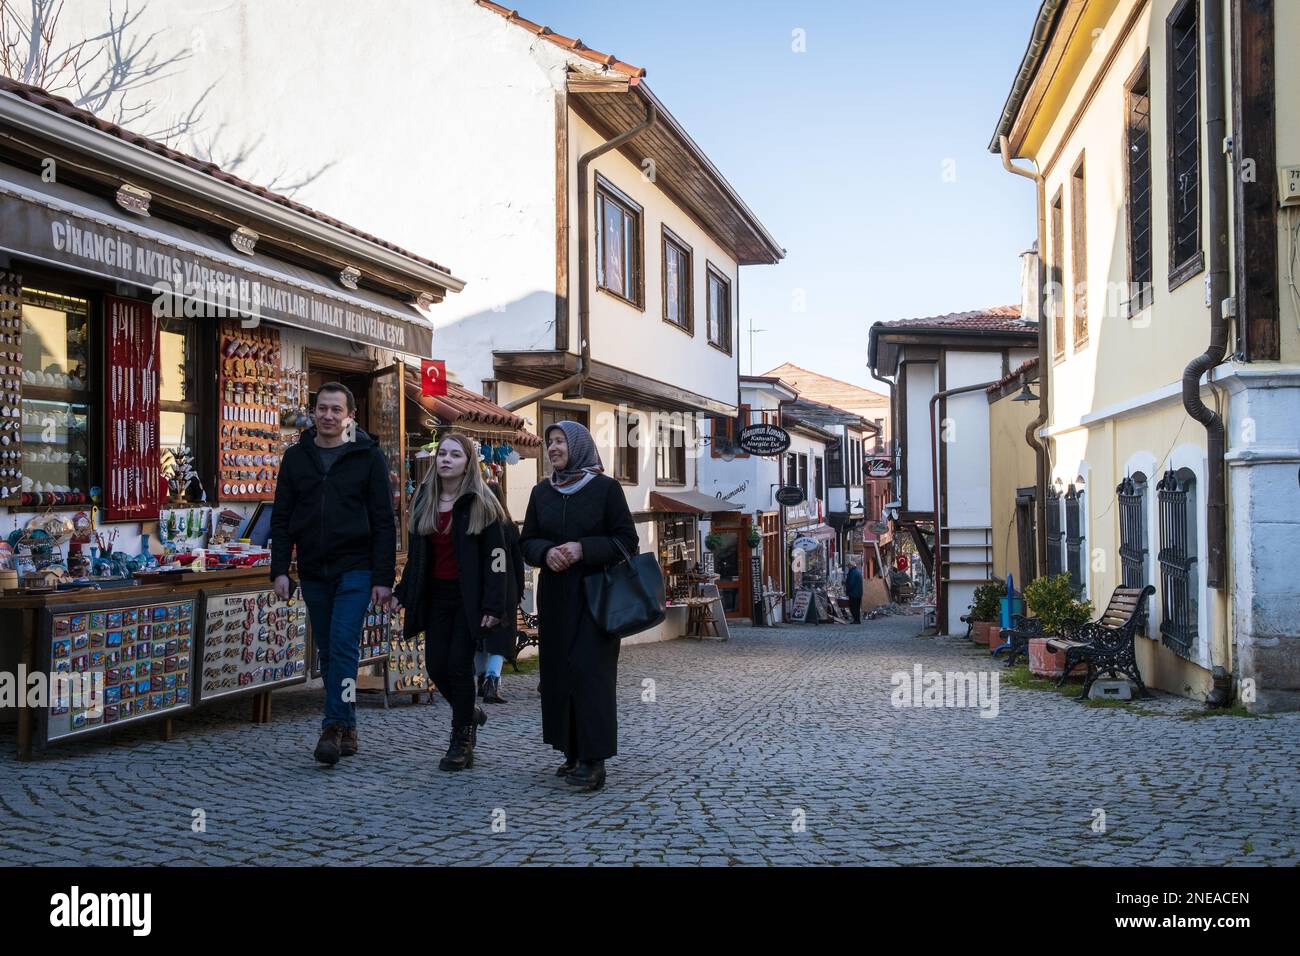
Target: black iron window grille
[
  {"x": 1133, "y": 551},
  {"x": 1184, "y": 145},
  {"x": 1176, "y": 494},
  {"x": 1055, "y": 535},
  {"x": 1075, "y": 534},
  {"x": 1139, "y": 189}
]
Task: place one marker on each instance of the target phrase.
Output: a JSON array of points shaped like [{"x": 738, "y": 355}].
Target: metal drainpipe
[
  {"x": 584, "y": 291},
  {"x": 940, "y": 600},
  {"x": 1031, "y": 430},
  {"x": 1216, "y": 182}
]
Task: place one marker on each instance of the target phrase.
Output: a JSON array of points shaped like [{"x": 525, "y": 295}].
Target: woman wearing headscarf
[
  {"x": 457, "y": 584},
  {"x": 576, "y": 521}
]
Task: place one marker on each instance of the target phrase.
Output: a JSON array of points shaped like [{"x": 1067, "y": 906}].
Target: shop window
[
  {"x": 618, "y": 244},
  {"x": 677, "y": 272},
  {"x": 627, "y": 455},
  {"x": 719, "y": 310},
  {"x": 1138, "y": 98},
  {"x": 670, "y": 453},
  {"x": 56, "y": 421},
  {"x": 178, "y": 399},
  {"x": 1179, "y": 584},
  {"x": 1182, "y": 53}
]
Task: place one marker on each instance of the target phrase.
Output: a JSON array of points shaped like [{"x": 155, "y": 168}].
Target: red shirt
[{"x": 445, "y": 567}]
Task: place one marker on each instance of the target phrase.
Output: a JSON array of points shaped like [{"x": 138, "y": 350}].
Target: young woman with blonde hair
[{"x": 456, "y": 586}]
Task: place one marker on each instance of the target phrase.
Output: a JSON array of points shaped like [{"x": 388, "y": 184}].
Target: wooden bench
[{"x": 1106, "y": 644}]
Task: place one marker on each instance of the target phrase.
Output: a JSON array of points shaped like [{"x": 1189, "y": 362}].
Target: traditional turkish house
[
  {"x": 938, "y": 369},
  {"x": 158, "y": 315}
]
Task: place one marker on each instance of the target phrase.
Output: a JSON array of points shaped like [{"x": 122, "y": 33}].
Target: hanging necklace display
[
  {"x": 132, "y": 455},
  {"x": 11, "y": 365},
  {"x": 251, "y": 412}
]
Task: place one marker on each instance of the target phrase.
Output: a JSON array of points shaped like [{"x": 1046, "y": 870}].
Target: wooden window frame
[
  {"x": 669, "y": 238},
  {"x": 634, "y": 263},
  {"x": 713, "y": 272},
  {"x": 662, "y": 450},
  {"x": 1141, "y": 288},
  {"x": 1079, "y": 253},
  {"x": 1056, "y": 273},
  {"x": 627, "y": 455},
  {"x": 1180, "y": 271},
  {"x": 728, "y": 430}
]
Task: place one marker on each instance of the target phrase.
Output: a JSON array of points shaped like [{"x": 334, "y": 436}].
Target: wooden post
[
  {"x": 165, "y": 729},
  {"x": 28, "y": 657}
]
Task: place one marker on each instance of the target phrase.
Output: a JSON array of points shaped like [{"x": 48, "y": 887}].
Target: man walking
[
  {"x": 334, "y": 503},
  {"x": 853, "y": 590}
]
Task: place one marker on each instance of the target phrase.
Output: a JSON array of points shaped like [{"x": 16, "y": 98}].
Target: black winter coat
[
  {"x": 578, "y": 662},
  {"x": 340, "y": 521},
  {"x": 487, "y": 578}
]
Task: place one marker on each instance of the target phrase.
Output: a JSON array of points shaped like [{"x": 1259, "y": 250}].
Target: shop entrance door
[{"x": 732, "y": 565}]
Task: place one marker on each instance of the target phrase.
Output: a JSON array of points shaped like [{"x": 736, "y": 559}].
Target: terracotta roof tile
[
  {"x": 466, "y": 409},
  {"x": 572, "y": 44},
  {"x": 64, "y": 107},
  {"x": 998, "y": 318}
]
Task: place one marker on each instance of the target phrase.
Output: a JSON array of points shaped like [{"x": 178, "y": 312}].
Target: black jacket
[
  {"x": 341, "y": 521},
  {"x": 487, "y": 578}
]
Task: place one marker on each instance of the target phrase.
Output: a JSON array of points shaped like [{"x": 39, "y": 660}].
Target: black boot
[
  {"x": 492, "y": 691},
  {"x": 480, "y": 718},
  {"x": 570, "y": 764},
  {"x": 482, "y": 679},
  {"x": 590, "y": 775},
  {"x": 460, "y": 754}
]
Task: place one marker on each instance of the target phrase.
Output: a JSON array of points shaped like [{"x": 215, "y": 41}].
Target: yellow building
[{"x": 1163, "y": 139}]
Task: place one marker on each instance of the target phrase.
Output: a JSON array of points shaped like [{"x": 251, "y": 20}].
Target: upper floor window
[
  {"x": 1079, "y": 255},
  {"x": 1138, "y": 145},
  {"x": 719, "y": 310},
  {"x": 618, "y": 246},
  {"x": 1056, "y": 279},
  {"x": 1184, "y": 121},
  {"x": 725, "y": 435},
  {"x": 677, "y": 282}
]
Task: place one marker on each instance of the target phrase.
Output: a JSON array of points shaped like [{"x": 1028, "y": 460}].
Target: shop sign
[
  {"x": 879, "y": 467},
  {"x": 764, "y": 439},
  {"x": 789, "y": 495},
  {"x": 805, "y": 544}
]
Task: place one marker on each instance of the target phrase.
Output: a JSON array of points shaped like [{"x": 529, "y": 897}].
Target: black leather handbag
[{"x": 628, "y": 597}]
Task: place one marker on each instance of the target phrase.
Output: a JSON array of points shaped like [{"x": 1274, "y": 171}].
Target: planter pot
[
  {"x": 980, "y": 632},
  {"x": 1051, "y": 664},
  {"x": 995, "y": 636}
]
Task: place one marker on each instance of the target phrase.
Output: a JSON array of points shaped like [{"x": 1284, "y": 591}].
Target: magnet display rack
[
  {"x": 132, "y": 469},
  {"x": 11, "y": 387},
  {"x": 250, "y": 445}
]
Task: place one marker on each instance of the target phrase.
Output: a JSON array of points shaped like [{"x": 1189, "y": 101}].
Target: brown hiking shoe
[
  {"x": 348, "y": 743},
  {"x": 327, "y": 748}
]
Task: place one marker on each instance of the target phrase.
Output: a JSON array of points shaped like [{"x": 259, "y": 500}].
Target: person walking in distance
[
  {"x": 576, "y": 521},
  {"x": 853, "y": 590},
  {"x": 457, "y": 584},
  {"x": 334, "y": 507}
]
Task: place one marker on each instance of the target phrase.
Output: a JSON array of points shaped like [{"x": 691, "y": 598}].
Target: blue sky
[{"x": 864, "y": 156}]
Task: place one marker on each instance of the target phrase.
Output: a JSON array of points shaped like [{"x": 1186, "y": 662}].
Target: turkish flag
[{"x": 433, "y": 377}]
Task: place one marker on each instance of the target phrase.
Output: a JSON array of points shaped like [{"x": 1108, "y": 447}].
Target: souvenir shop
[{"x": 163, "y": 328}]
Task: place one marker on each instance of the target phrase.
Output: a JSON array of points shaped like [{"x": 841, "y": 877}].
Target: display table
[{"x": 156, "y": 649}]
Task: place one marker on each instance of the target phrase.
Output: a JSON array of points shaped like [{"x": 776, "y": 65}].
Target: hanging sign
[
  {"x": 805, "y": 544},
  {"x": 764, "y": 439},
  {"x": 879, "y": 467},
  {"x": 433, "y": 377},
  {"x": 789, "y": 495}
]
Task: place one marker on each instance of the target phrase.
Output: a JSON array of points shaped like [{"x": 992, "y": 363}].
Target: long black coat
[
  {"x": 579, "y": 663},
  {"x": 487, "y": 578}
]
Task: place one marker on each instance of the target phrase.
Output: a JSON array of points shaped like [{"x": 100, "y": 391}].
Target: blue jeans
[
  {"x": 338, "y": 610},
  {"x": 489, "y": 664}
]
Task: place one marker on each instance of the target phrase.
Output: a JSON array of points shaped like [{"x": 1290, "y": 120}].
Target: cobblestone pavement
[{"x": 742, "y": 741}]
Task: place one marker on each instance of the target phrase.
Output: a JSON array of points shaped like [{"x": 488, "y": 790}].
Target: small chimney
[{"x": 1031, "y": 298}]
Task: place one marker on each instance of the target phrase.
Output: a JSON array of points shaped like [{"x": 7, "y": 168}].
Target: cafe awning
[
  {"x": 56, "y": 224},
  {"x": 689, "y": 502}
]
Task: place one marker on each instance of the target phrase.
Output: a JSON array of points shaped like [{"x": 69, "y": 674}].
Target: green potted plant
[
  {"x": 984, "y": 610},
  {"x": 1052, "y": 601},
  {"x": 713, "y": 541},
  {"x": 755, "y": 537}
]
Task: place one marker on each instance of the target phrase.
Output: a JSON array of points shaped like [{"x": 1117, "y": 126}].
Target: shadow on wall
[{"x": 468, "y": 341}]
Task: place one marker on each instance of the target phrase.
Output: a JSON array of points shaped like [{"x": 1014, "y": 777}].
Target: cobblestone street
[{"x": 742, "y": 741}]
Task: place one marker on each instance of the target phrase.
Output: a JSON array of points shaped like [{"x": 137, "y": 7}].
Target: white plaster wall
[
  {"x": 967, "y": 447},
  {"x": 640, "y": 340},
  {"x": 921, "y": 384},
  {"x": 438, "y": 118}
]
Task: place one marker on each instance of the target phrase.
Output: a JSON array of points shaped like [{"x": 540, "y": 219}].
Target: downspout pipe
[
  {"x": 941, "y": 614},
  {"x": 584, "y": 264},
  {"x": 1216, "y": 181},
  {"x": 1031, "y": 430}
]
